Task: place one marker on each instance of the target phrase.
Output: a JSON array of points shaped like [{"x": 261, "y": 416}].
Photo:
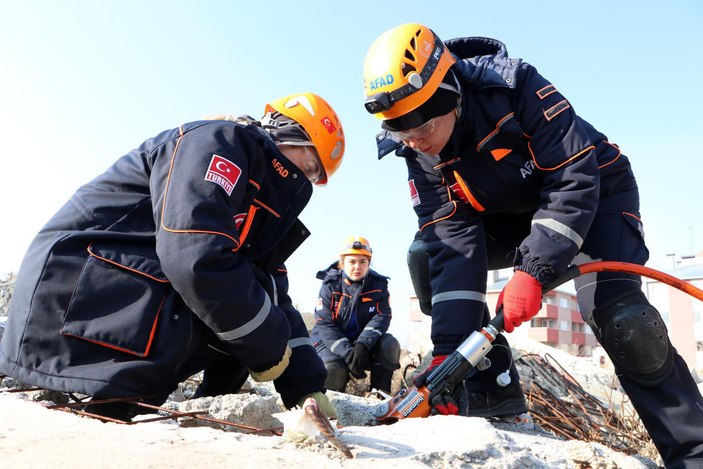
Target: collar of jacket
[
  {"x": 334, "y": 274},
  {"x": 349, "y": 282},
  {"x": 299, "y": 185},
  {"x": 330, "y": 272},
  {"x": 483, "y": 62}
]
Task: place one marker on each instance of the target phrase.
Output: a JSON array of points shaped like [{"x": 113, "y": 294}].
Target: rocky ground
[{"x": 247, "y": 429}]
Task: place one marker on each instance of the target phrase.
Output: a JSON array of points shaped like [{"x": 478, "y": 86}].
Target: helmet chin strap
[
  {"x": 456, "y": 89},
  {"x": 447, "y": 86}
]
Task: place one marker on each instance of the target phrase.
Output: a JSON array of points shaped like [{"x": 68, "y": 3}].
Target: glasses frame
[
  {"x": 423, "y": 131},
  {"x": 313, "y": 168}
]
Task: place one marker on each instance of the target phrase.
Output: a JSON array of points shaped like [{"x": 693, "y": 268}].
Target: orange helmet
[
  {"x": 356, "y": 245},
  {"x": 403, "y": 69},
  {"x": 321, "y": 124}
]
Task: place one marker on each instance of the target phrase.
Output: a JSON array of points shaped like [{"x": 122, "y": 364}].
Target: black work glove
[
  {"x": 455, "y": 403},
  {"x": 358, "y": 361}
]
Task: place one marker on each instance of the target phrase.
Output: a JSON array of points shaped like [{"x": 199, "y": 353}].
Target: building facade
[
  {"x": 559, "y": 323},
  {"x": 682, "y": 313}
]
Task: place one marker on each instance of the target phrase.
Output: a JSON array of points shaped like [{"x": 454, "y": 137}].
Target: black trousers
[{"x": 672, "y": 411}]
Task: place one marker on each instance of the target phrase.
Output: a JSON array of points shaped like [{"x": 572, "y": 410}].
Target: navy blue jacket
[
  {"x": 188, "y": 231},
  {"x": 517, "y": 148},
  {"x": 349, "y": 312}
]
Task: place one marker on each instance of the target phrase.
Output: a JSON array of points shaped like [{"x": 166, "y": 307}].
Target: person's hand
[
  {"x": 275, "y": 371},
  {"x": 323, "y": 403},
  {"x": 445, "y": 404},
  {"x": 521, "y": 299},
  {"x": 358, "y": 361}
]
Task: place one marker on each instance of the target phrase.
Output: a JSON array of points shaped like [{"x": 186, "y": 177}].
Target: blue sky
[{"x": 84, "y": 82}]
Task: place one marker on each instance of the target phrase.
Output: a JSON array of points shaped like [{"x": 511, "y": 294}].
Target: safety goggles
[
  {"x": 421, "y": 132},
  {"x": 312, "y": 167}
]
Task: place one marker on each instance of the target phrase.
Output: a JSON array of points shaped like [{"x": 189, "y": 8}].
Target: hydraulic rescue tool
[{"x": 415, "y": 402}]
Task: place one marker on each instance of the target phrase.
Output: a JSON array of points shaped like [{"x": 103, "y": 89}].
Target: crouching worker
[
  {"x": 352, "y": 316},
  {"x": 171, "y": 263}
]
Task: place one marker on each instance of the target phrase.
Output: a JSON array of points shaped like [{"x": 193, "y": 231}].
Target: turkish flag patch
[
  {"x": 414, "y": 195},
  {"x": 223, "y": 172}
]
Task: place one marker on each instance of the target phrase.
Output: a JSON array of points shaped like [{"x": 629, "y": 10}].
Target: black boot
[
  {"x": 381, "y": 377},
  {"x": 501, "y": 402}
]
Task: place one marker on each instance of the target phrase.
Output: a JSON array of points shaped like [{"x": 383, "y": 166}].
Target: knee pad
[
  {"x": 419, "y": 267},
  {"x": 388, "y": 352},
  {"x": 633, "y": 334},
  {"x": 337, "y": 375}
]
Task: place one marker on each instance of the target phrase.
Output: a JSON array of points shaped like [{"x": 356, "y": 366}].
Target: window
[
  {"x": 542, "y": 322},
  {"x": 564, "y": 302},
  {"x": 564, "y": 325}
]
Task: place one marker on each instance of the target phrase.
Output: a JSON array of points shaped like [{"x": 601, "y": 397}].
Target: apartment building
[
  {"x": 682, "y": 313},
  {"x": 559, "y": 323}
]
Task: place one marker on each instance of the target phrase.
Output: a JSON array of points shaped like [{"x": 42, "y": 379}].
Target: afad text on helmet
[{"x": 381, "y": 81}]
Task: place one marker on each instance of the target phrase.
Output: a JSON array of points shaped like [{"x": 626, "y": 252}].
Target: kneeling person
[{"x": 352, "y": 318}]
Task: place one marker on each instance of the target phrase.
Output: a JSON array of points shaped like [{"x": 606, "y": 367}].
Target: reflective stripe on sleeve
[
  {"x": 458, "y": 295},
  {"x": 249, "y": 327},
  {"x": 275, "y": 290},
  {"x": 338, "y": 343},
  {"x": 299, "y": 342},
  {"x": 374, "y": 330},
  {"x": 560, "y": 228}
]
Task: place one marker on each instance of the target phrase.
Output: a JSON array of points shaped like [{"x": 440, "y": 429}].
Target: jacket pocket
[{"x": 117, "y": 299}]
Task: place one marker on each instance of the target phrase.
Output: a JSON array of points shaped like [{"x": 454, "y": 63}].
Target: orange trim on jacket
[
  {"x": 440, "y": 219},
  {"x": 145, "y": 353},
  {"x": 125, "y": 267},
  {"x": 490, "y": 135},
  {"x": 469, "y": 195},
  {"x": 534, "y": 160}
]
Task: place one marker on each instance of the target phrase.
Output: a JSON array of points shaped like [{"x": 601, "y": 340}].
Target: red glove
[
  {"x": 443, "y": 404},
  {"x": 521, "y": 299}
]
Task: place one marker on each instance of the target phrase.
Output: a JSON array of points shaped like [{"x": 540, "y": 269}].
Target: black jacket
[
  {"x": 517, "y": 148},
  {"x": 349, "y": 312},
  {"x": 188, "y": 231}
]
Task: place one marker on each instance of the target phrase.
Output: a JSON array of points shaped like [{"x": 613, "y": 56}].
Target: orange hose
[{"x": 627, "y": 267}]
